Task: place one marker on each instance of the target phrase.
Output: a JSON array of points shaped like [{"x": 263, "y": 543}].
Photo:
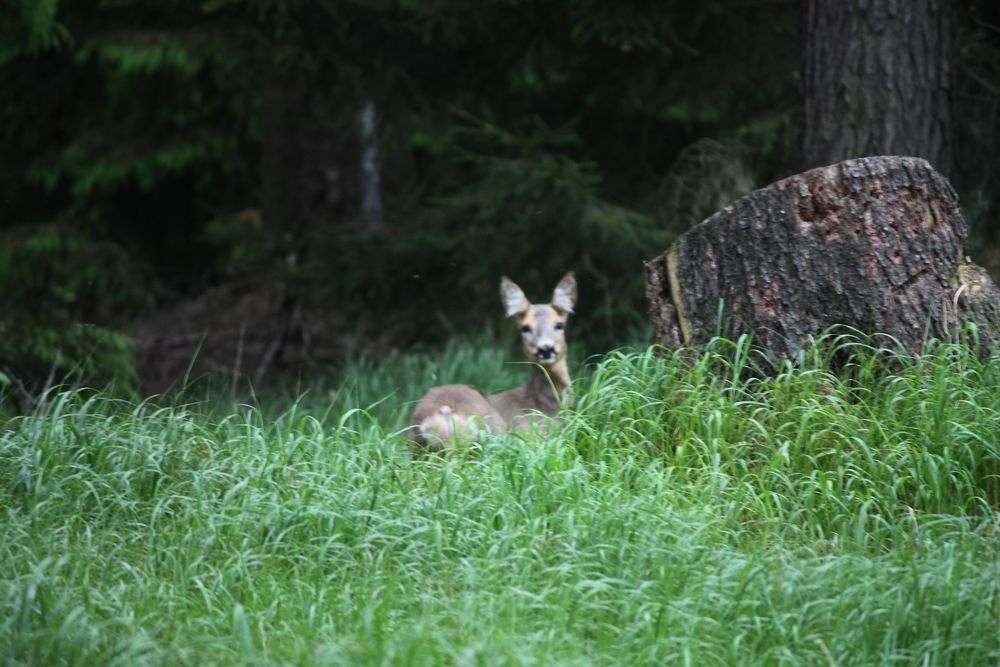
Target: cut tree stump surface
[{"x": 875, "y": 243}]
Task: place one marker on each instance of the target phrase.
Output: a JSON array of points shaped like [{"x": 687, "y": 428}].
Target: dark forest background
[{"x": 270, "y": 186}]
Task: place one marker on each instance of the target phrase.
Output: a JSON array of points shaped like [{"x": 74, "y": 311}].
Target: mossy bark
[{"x": 877, "y": 244}]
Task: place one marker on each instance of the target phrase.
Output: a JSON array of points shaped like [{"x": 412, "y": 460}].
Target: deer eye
[
  {"x": 559, "y": 326},
  {"x": 526, "y": 328}
]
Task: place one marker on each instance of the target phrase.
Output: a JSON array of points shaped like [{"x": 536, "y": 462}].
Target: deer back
[{"x": 453, "y": 412}]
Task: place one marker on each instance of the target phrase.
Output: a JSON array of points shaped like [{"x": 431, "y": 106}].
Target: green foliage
[
  {"x": 137, "y": 120},
  {"x": 523, "y": 209},
  {"x": 50, "y": 279},
  {"x": 145, "y": 111},
  {"x": 239, "y": 242},
  {"x": 164, "y": 97},
  {"x": 673, "y": 517},
  {"x": 534, "y": 213},
  {"x": 29, "y": 27},
  {"x": 79, "y": 354}
]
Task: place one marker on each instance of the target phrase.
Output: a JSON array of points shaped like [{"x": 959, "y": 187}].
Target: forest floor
[{"x": 673, "y": 516}]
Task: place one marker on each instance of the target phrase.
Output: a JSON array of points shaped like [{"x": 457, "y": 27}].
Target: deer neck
[{"x": 547, "y": 385}]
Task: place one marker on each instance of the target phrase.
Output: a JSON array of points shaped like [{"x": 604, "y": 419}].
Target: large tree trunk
[
  {"x": 877, "y": 79},
  {"x": 877, "y": 244}
]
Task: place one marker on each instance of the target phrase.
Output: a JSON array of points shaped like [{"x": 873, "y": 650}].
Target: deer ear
[
  {"x": 513, "y": 299},
  {"x": 564, "y": 296}
]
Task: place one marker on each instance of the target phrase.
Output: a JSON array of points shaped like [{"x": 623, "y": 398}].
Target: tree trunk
[
  {"x": 309, "y": 153},
  {"x": 371, "y": 192},
  {"x": 877, "y": 79},
  {"x": 877, "y": 244}
]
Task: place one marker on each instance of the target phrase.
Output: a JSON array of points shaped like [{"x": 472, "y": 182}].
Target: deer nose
[{"x": 545, "y": 352}]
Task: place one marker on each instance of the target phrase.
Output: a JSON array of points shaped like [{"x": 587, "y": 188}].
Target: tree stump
[{"x": 877, "y": 244}]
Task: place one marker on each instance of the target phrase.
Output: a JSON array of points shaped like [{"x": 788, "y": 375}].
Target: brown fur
[{"x": 461, "y": 412}]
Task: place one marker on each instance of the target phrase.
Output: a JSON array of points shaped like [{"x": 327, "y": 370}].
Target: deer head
[{"x": 543, "y": 327}]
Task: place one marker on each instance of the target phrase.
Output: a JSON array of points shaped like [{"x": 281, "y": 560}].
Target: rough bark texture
[
  {"x": 875, "y": 243},
  {"x": 877, "y": 79}
]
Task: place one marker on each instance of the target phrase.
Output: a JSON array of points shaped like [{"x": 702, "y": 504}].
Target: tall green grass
[{"x": 680, "y": 514}]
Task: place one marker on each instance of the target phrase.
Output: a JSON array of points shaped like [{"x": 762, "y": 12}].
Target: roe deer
[{"x": 459, "y": 411}]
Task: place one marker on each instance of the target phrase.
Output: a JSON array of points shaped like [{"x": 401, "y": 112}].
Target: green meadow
[{"x": 683, "y": 512}]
